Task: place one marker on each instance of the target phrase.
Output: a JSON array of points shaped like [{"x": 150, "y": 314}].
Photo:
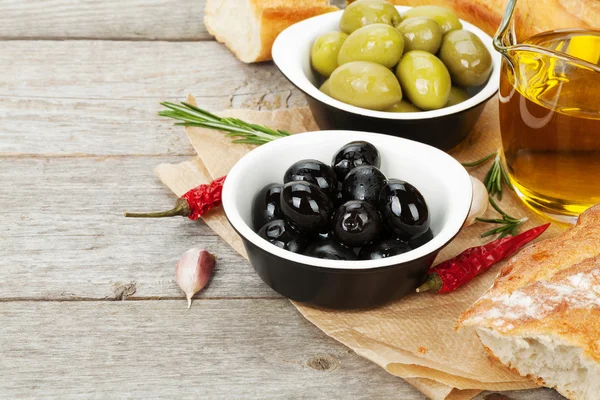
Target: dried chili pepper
[
  {"x": 455, "y": 272},
  {"x": 193, "y": 204}
]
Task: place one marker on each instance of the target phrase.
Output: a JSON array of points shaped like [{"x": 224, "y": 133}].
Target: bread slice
[
  {"x": 542, "y": 315},
  {"x": 530, "y": 19},
  {"x": 249, "y": 27}
]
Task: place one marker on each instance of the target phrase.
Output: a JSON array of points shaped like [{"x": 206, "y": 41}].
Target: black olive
[
  {"x": 363, "y": 183},
  {"x": 354, "y": 154},
  {"x": 330, "y": 250},
  {"x": 421, "y": 239},
  {"x": 313, "y": 171},
  {"x": 281, "y": 234},
  {"x": 306, "y": 206},
  {"x": 337, "y": 197},
  {"x": 356, "y": 223},
  {"x": 404, "y": 210},
  {"x": 266, "y": 206},
  {"x": 384, "y": 249}
]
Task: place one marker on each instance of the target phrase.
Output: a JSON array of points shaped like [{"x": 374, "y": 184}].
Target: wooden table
[{"x": 88, "y": 305}]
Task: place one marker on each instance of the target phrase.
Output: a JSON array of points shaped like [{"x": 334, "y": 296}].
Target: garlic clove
[
  {"x": 479, "y": 203},
  {"x": 193, "y": 271}
]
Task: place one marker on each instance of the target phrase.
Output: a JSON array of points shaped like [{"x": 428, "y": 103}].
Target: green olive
[
  {"x": 457, "y": 95},
  {"x": 402, "y": 106},
  {"x": 421, "y": 33},
  {"x": 378, "y": 43},
  {"x": 467, "y": 58},
  {"x": 444, "y": 17},
  {"x": 424, "y": 79},
  {"x": 325, "y": 88},
  {"x": 366, "y": 12},
  {"x": 324, "y": 53},
  {"x": 365, "y": 84}
]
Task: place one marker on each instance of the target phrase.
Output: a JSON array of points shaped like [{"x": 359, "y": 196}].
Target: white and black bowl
[
  {"x": 443, "y": 128},
  {"x": 444, "y": 183}
]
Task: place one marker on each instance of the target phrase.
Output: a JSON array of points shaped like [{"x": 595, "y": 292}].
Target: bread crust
[
  {"x": 533, "y": 16},
  {"x": 549, "y": 290},
  {"x": 275, "y": 20},
  {"x": 270, "y": 16}
]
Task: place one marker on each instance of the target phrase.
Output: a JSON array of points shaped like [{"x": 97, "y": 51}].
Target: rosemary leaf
[
  {"x": 239, "y": 131},
  {"x": 478, "y": 162},
  {"x": 495, "y": 176},
  {"x": 509, "y": 224}
]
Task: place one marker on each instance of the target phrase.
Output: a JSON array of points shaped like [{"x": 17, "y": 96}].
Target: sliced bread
[
  {"x": 249, "y": 27},
  {"x": 542, "y": 315}
]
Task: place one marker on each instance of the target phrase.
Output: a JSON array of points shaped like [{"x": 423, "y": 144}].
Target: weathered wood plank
[
  {"x": 219, "y": 349},
  {"x": 108, "y": 19},
  {"x": 103, "y": 19},
  {"x": 88, "y": 97},
  {"x": 64, "y": 235}
]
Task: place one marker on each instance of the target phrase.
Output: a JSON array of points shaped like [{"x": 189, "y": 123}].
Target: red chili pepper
[
  {"x": 193, "y": 204},
  {"x": 455, "y": 272}
]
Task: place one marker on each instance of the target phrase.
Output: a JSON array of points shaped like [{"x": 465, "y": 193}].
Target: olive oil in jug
[{"x": 550, "y": 120}]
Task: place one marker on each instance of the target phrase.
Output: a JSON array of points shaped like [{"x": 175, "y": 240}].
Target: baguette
[
  {"x": 542, "y": 315},
  {"x": 533, "y": 16},
  {"x": 249, "y": 27}
]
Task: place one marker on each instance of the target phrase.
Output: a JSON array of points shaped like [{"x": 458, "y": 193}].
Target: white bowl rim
[
  {"x": 441, "y": 239},
  {"x": 286, "y": 44}
]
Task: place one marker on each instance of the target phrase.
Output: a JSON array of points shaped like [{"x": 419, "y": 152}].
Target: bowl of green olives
[
  {"x": 418, "y": 73},
  {"x": 345, "y": 219}
]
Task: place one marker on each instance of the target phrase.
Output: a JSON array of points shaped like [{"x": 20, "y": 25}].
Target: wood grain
[
  {"x": 64, "y": 236},
  {"x": 160, "y": 349},
  {"x": 103, "y": 19},
  {"x": 98, "y": 99},
  {"x": 174, "y": 20}
]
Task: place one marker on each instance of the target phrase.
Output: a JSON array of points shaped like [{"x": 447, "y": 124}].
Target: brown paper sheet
[{"x": 413, "y": 338}]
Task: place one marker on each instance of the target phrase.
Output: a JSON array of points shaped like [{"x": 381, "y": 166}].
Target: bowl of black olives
[
  {"x": 345, "y": 219},
  {"x": 420, "y": 73}
]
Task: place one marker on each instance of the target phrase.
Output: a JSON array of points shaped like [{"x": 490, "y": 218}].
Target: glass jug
[{"x": 550, "y": 116}]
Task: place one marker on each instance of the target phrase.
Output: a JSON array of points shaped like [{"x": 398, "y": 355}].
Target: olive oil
[{"x": 550, "y": 120}]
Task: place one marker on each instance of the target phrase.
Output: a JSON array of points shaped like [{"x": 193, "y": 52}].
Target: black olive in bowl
[
  {"x": 329, "y": 249},
  {"x": 267, "y": 205},
  {"x": 443, "y": 128},
  {"x": 280, "y": 233},
  {"x": 313, "y": 171},
  {"x": 306, "y": 206},
  {"x": 384, "y": 249},
  {"x": 442, "y": 181},
  {"x": 420, "y": 240},
  {"x": 356, "y": 223},
  {"x": 352, "y": 155},
  {"x": 404, "y": 210},
  {"x": 363, "y": 183}
]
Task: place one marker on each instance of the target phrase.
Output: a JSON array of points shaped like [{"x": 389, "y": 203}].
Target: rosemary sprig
[
  {"x": 240, "y": 131},
  {"x": 509, "y": 224},
  {"x": 496, "y": 175}
]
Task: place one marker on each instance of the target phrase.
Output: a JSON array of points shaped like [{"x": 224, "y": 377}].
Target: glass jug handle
[{"x": 506, "y": 36}]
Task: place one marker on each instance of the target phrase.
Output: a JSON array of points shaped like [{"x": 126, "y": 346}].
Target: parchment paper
[{"x": 414, "y": 337}]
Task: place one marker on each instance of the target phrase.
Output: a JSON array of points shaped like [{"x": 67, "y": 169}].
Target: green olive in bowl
[
  {"x": 378, "y": 43},
  {"x": 324, "y": 52},
  {"x": 402, "y": 106},
  {"x": 424, "y": 79},
  {"x": 366, "y": 12},
  {"x": 447, "y": 20},
  {"x": 421, "y": 33},
  {"x": 325, "y": 88},
  {"x": 457, "y": 96},
  {"x": 365, "y": 84},
  {"x": 467, "y": 58}
]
